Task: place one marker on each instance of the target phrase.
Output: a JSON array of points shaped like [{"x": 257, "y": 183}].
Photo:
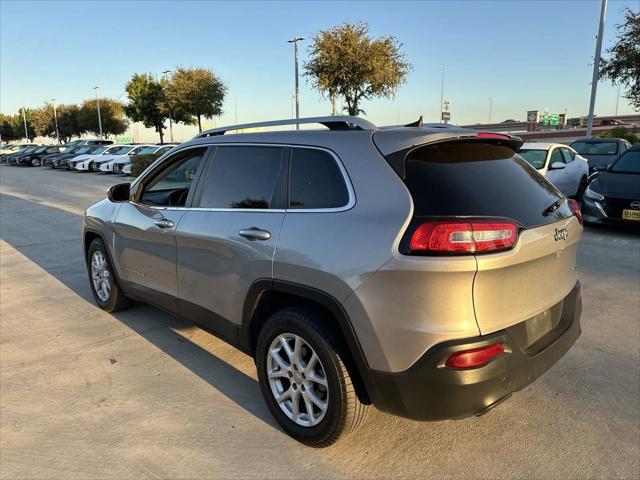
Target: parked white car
[
  {"x": 107, "y": 167},
  {"x": 559, "y": 164},
  {"x": 92, "y": 162}
]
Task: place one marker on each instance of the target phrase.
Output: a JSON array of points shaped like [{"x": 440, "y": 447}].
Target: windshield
[
  {"x": 627, "y": 163},
  {"x": 595, "y": 148},
  {"x": 40, "y": 150},
  {"x": 121, "y": 150},
  {"x": 100, "y": 150},
  {"x": 535, "y": 158},
  {"x": 83, "y": 150},
  {"x": 144, "y": 150},
  {"x": 29, "y": 150}
]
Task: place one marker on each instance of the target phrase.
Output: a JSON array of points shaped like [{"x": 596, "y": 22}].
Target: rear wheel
[
  {"x": 35, "y": 162},
  {"x": 304, "y": 380},
  {"x": 104, "y": 285}
]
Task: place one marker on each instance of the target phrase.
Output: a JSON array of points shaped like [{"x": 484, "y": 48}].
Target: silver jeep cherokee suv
[{"x": 426, "y": 269}]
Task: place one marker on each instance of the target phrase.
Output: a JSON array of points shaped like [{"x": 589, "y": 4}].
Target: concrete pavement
[{"x": 142, "y": 394}]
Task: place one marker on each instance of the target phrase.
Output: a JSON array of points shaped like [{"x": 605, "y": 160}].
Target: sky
[{"x": 516, "y": 55}]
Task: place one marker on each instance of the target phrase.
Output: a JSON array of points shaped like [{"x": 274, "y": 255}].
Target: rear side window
[
  {"x": 482, "y": 180},
  {"x": 246, "y": 177},
  {"x": 316, "y": 181}
]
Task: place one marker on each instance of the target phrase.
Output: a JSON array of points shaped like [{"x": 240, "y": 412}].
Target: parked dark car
[
  {"x": 600, "y": 152},
  {"x": 613, "y": 195},
  {"x": 34, "y": 159},
  {"x": 62, "y": 161},
  {"x": 13, "y": 149},
  {"x": 11, "y": 159}
]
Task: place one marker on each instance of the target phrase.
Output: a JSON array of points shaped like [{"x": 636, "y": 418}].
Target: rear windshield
[
  {"x": 535, "y": 158},
  {"x": 595, "y": 148},
  {"x": 480, "y": 179}
]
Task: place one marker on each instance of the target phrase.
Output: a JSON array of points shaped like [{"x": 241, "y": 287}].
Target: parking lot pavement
[{"x": 86, "y": 394}]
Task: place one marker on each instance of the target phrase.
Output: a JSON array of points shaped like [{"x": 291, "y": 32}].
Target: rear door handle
[
  {"x": 164, "y": 223},
  {"x": 255, "y": 233}
]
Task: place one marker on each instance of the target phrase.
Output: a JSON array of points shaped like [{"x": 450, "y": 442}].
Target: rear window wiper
[{"x": 552, "y": 208}]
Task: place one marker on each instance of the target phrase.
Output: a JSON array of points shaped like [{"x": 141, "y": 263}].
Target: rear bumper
[{"x": 431, "y": 391}]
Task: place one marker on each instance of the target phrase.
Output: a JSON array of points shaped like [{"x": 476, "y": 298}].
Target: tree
[
  {"x": 17, "y": 124},
  {"x": 7, "y": 128},
  {"x": 195, "y": 92},
  {"x": 623, "y": 65},
  {"x": 146, "y": 97},
  {"x": 345, "y": 61},
  {"x": 111, "y": 116},
  {"x": 68, "y": 122}
]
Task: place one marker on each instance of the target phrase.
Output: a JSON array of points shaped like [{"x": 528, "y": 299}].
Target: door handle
[
  {"x": 164, "y": 223},
  {"x": 255, "y": 233}
]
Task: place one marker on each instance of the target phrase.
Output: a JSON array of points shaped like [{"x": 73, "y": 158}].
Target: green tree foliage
[
  {"x": 8, "y": 128},
  {"x": 68, "y": 122},
  {"x": 111, "y": 115},
  {"x": 347, "y": 62},
  {"x": 17, "y": 125},
  {"x": 195, "y": 92},
  {"x": 146, "y": 97},
  {"x": 621, "y": 132},
  {"x": 623, "y": 65}
]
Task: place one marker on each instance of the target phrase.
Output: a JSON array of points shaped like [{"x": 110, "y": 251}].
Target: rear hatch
[{"x": 483, "y": 184}]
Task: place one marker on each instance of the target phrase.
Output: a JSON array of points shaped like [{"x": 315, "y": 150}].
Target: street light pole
[
  {"x": 99, "y": 117},
  {"x": 24, "y": 119},
  {"x": 490, "y": 108},
  {"x": 55, "y": 117},
  {"x": 170, "y": 119},
  {"x": 596, "y": 68},
  {"x": 295, "y": 57},
  {"x": 443, "y": 66}
]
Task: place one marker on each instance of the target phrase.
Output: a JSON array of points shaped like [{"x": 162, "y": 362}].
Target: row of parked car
[{"x": 81, "y": 155}]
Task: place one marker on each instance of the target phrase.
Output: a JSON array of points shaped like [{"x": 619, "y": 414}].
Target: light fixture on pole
[
  {"x": 443, "y": 66},
  {"x": 55, "y": 118},
  {"x": 98, "y": 105},
  {"x": 295, "y": 57},
  {"x": 596, "y": 69},
  {"x": 165, "y": 73}
]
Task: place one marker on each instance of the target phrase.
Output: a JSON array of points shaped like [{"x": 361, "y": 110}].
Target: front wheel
[
  {"x": 304, "y": 380},
  {"x": 35, "y": 162},
  {"x": 104, "y": 285}
]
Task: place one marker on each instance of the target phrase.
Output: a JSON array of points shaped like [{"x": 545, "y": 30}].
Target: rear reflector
[
  {"x": 575, "y": 208},
  {"x": 475, "y": 357},
  {"x": 463, "y": 237}
]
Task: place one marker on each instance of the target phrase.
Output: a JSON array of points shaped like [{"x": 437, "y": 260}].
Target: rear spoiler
[{"x": 397, "y": 146}]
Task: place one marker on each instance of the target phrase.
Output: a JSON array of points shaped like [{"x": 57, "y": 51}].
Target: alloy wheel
[
  {"x": 297, "y": 379},
  {"x": 100, "y": 276}
]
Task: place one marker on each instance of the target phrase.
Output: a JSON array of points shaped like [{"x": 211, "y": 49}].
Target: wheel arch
[{"x": 266, "y": 296}]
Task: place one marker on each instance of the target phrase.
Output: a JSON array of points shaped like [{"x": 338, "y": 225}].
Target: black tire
[
  {"x": 344, "y": 411},
  {"x": 116, "y": 300},
  {"x": 35, "y": 162}
]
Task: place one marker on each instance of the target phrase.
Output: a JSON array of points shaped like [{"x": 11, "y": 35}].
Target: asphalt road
[{"x": 142, "y": 394}]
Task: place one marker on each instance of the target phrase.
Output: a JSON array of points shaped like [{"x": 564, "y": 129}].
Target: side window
[
  {"x": 556, "y": 156},
  {"x": 568, "y": 155},
  {"x": 245, "y": 177},
  {"x": 315, "y": 180},
  {"x": 171, "y": 186}
]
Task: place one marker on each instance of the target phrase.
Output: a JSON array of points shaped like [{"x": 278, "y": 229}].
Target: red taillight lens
[
  {"x": 475, "y": 357},
  {"x": 463, "y": 237},
  {"x": 575, "y": 208},
  {"x": 492, "y": 135}
]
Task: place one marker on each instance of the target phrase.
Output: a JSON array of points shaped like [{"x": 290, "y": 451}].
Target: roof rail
[{"x": 342, "y": 122}]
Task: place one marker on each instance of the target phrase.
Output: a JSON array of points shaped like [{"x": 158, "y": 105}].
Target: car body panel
[{"x": 568, "y": 179}]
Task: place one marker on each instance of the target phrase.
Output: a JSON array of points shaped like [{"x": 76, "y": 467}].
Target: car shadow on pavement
[{"x": 50, "y": 238}]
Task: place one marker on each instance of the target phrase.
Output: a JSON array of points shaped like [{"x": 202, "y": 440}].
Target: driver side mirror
[
  {"x": 119, "y": 193},
  {"x": 557, "y": 166}
]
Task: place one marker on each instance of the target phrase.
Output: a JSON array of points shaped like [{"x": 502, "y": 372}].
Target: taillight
[
  {"x": 575, "y": 208},
  {"x": 493, "y": 135},
  {"x": 474, "y": 357},
  {"x": 463, "y": 237}
]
